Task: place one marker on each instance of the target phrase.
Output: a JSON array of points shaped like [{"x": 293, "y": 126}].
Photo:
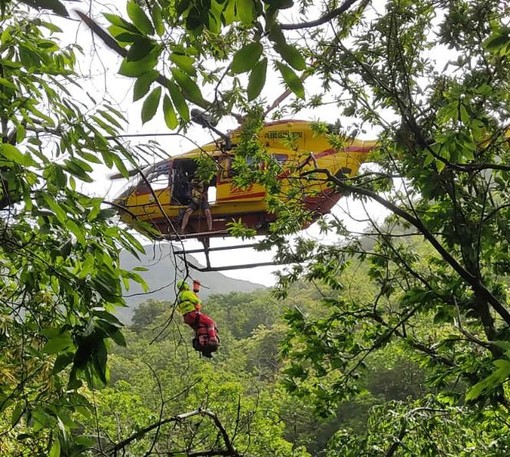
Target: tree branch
[
  {"x": 475, "y": 283},
  {"x": 109, "y": 41},
  {"x": 229, "y": 451},
  {"x": 322, "y": 20}
]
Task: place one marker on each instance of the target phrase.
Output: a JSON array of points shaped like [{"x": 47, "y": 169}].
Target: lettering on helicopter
[{"x": 279, "y": 134}]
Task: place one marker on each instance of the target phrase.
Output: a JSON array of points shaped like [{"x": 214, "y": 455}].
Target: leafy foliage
[
  {"x": 235, "y": 390},
  {"x": 60, "y": 275},
  {"x": 425, "y": 427},
  {"x": 237, "y": 34},
  {"x": 442, "y": 176}
]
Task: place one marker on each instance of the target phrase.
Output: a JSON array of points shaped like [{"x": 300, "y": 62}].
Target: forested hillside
[{"x": 158, "y": 376}]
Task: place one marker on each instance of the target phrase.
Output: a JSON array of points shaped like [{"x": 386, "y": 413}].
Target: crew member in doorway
[
  {"x": 206, "y": 339},
  {"x": 199, "y": 200}
]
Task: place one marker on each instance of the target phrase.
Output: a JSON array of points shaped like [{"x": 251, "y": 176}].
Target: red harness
[{"x": 206, "y": 333}]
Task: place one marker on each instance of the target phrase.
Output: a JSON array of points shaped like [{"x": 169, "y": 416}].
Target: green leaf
[
  {"x": 257, "y": 79},
  {"x": 77, "y": 232},
  {"x": 86, "y": 155},
  {"x": 6, "y": 83},
  {"x": 104, "y": 315},
  {"x": 13, "y": 154},
  {"x": 139, "y": 49},
  {"x": 150, "y": 105},
  {"x": 143, "y": 84},
  {"x": 189, "y": 87},
  {"x": 291, "y": 79},
  {"x": 245, "y": 11},
  {"x": 139, "y": 67},
  {"x": 58, "y": 344},
  {"x": 505, "y": 345},
  {"x": 99, "y": 359},
  {"x": 56, "y": 208},
  {"x": 85, "y": 268},
  {"x": 246, "y": 58},
  {"x": 55, "y": 449},
  {"x": 157, "y": 19},
  {"x": 48, "y": 45},
  {"x": 464, "y": 115},
  {"x": 16, "y": 414},
  {"x": 78, "y": 168},
  {"x": 62, "y": 361},
  {"x": 114, "y": 121},
  {"x": 440, "y": 165},
  {"x": 429, "y": 158},
  {"x": 179, "y": 101},
  {"x": 498, "y": 40},
  {"x": 122, "y": 36},
  {"x": 292, "y": 56},
  {"x": 229, "y": 12},
  {"x": 120, "y": 22},
  {"x": 276, "y": 35},
  {"x": 184, "y": 62},
  {"x": 118, "y": 337},
  {"x": 169, "y": 113},
  {"x": 139, "y": 18},
  {"x": 492, "y": 381},
  {"x": 120, "y": 165},
  {"x": 196, "y": 18}
]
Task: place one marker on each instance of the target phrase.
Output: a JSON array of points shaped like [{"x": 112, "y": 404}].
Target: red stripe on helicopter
[
  {"x": 328, "y": 152},
  {"x": 359, "y": 148},
  {"x": 241, "y": 197}
]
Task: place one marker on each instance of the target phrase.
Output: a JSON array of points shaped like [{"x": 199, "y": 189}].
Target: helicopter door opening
[{"x": 182, "y": 174}]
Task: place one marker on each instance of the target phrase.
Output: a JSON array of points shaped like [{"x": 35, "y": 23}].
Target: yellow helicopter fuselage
[{"x": 158, "y": 195}]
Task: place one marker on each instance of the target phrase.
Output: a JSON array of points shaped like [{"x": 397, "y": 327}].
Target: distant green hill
[{"x": 163, "y": 270}]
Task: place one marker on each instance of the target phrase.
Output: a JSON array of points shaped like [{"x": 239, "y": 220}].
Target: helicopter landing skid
[
  {"x": 206, "y": 250},
  {"x": 198, "y": 235}
]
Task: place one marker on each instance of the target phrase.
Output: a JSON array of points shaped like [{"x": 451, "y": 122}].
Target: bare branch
[
  {"x": 229, "y": 451},
  {"x": 322, "y": 20}
]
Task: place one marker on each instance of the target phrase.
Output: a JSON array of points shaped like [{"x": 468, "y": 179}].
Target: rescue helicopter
[{"x": 158, "y": 195}]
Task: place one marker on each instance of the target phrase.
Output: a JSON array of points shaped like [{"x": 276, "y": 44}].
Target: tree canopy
[{"x": 60, "y": 276}]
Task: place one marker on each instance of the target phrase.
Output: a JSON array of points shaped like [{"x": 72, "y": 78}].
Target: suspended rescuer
[{"x": 206, "y": 339}]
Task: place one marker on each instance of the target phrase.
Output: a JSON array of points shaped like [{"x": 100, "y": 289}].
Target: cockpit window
[{"x": 158, "y": 176}]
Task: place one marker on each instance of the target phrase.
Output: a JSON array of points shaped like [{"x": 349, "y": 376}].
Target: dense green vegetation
[
  {"x": 393, "y": 344},
  {"x": 158, "y": 378}
]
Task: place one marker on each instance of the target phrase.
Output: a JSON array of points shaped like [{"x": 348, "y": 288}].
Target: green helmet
[{"x": 182, "y": 285}]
